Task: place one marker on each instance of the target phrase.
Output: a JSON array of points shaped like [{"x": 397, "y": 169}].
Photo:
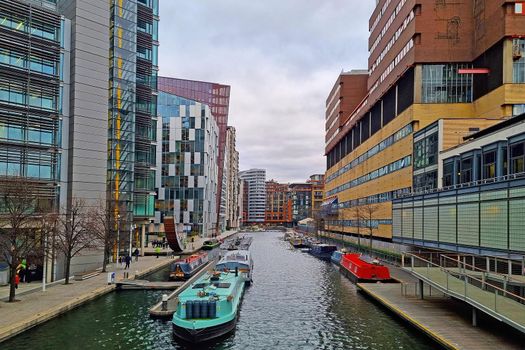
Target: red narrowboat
[{"x": 359, "y": 268}]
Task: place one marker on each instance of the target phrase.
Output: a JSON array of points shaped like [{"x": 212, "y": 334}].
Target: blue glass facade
[{"x": 30, "y": 95}]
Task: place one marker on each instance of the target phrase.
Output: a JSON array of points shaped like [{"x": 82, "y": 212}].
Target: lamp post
[
  {"x": 118, "y": 237},
  {"x": 131, "y": 228}
]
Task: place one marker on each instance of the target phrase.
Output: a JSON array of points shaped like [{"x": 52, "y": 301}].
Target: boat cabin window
[
  {"x": 222, "y": 285},
  {"x": 199, "y": 285}
]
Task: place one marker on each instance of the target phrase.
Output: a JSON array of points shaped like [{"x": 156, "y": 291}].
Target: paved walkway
[
  {"x": 38, "y": 307},
  {"x": 438, "y": 318}
]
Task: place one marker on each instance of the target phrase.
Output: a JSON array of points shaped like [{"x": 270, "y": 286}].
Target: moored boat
[
  {"x": 298, "y": 242},
  {"x": 336, "y": 257},
  {"x": 360, "y": 268},
  {"x": 237, "y": 260},
  {"x": 183, "y": 269},
  {"x": 210, "y": 244},
  {"x": 322, "y": 251},
  {"x": 209, "y": 307}
]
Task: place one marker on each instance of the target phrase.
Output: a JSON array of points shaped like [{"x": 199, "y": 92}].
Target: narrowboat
[
  {"x": 210, "y": 244},
  {"x": 237, "y": 260},
  {"x": 322, "y": 251},
  {"x": 183, "y": 269},
  {"x": 209, "y": 307},
  {"x": 336, "y": 257},
  {"x": 360, "y": 268},
  {"x": 298, "y": 243}
]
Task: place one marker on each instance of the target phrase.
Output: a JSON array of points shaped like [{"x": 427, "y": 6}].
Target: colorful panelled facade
[
  {"x": 217, "y": 96},
  {"x": 187, "y": 159}
]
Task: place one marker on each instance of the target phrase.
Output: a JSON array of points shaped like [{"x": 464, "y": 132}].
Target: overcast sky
[{"x": 281, "y": 58}]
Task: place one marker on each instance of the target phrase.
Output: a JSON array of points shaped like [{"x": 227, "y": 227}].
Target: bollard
[{"x": 164, "y": 302}]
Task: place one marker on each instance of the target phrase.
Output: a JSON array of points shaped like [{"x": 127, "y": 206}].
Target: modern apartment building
[
  {"x": 255, "y": 195},
  {"x": 132, "y": 109},
  {"x": 428, "y": 60},
  {"x": 278, "y": 204},
  {"x": 301, "y": 194},
  {"x": 317, "y": 182},
  {"x": 217, "y": 96},
  {"x": 230, "y": 213},
  {"x": 480, "y": 203},
  {"x": 187, "y": 163}
]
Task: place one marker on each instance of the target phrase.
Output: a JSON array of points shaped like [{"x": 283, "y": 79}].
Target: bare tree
[
  {"x": 73, "y": 236},
  {"x": 18, "y": 224},
  {"x": 357, "y": 213},
  {"x": 369, "y": 211},
  {"x": 103, "y": 223}
]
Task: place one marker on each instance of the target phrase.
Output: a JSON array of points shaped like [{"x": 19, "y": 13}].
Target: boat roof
[
  {"x": 222, "y": 287},
  {"x": 236, "y": 255}
]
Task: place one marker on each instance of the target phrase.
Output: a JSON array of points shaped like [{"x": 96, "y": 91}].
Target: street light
[
  {"x": 118, "y": 237},
  {"x": 131, "y": 228}
]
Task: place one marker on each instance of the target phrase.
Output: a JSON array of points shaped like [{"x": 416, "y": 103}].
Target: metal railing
[
  {"x": 498, "y": 302},
  {"x": 465, "y": 185}
]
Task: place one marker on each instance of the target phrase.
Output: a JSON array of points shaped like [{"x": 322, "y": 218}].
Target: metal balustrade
[{"x": 470, "y": 284}]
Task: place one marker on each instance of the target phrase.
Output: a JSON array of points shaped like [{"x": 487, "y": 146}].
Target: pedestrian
[
  {"x": 120, "y": 261},
  {"x": 128, "y": 260},
  {"x": 17, "y": 281},
  {"x": 136, "y": 253},
  {"x": 21, "y": 270},
  {"x": 157, "y": 251}
]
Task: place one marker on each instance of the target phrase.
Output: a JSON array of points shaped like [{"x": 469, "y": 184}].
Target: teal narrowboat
[{"x": 208, "y": 308}]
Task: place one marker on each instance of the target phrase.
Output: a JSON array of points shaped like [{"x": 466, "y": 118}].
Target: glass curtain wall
[
  {"x": 30, "y": 54},
  {"x": 122, "y": 98},
  {"x": 146, "y": 109}
]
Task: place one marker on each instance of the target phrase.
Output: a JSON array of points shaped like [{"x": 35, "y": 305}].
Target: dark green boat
[{"x": 210, "y": 244}]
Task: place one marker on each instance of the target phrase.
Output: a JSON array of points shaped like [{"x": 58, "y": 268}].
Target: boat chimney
[{"x": 236, "y": 271}]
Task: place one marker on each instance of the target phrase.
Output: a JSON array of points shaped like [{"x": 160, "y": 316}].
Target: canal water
[{"x": 295, "y": 302}]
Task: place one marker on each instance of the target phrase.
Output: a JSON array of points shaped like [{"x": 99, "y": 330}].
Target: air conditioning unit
[{"x": 517, "y": 52}]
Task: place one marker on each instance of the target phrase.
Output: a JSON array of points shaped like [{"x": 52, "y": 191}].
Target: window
[
  {"x": 443, "y": 84},
  {"x": 466, "y": 170},
  {"x": 518, "y": 54},
  {"x": 448, "y": 174},
  {"x": 517, "y": 159},
  {"x": 489, "y": 165},
  {"x": 519, "y": 8}
]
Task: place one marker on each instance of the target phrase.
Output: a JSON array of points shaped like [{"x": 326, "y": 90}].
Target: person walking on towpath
[
  {"x": 157, "y": 251},
  {"x": 136, "y": 253},
  {"x": 128, "y": 260}
]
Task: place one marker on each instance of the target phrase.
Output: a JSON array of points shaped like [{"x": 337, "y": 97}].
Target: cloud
[{"x": 281, "y": 58}]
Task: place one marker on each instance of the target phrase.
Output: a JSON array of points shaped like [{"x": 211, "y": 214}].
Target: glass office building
[
  {"x": 133, "y": 108},
  {"x": 480, "y": 208},
  {"x": 31, "y": 95}
]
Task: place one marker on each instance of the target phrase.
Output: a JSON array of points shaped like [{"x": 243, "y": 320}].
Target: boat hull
[
  {"x": 323, "y": 256},
  {"x": 204, "y": 334}
]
